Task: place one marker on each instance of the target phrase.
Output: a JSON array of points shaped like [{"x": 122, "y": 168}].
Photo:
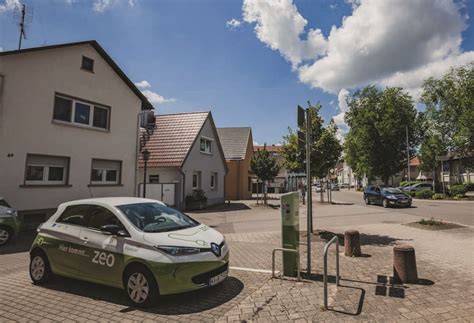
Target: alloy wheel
[
  {"x": 37, "y": 268},
  {"x": 4, "y": 236},
  {"x": 138, "y": 288}
]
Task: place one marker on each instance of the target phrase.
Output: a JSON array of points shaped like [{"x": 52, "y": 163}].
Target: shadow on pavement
[
  {"x": 186, "y": 303},
  {"x": 21, "y": 243},
  {"x": 365, "y": 239},
  {"x": 360, "y": 305},
  {"x": 223, "y": 208}
]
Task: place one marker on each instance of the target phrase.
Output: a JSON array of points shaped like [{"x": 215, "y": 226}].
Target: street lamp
[{"x": 146, "y": 157}]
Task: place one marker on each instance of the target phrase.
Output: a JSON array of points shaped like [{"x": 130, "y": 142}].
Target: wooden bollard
[
  {"x": 404, "y": 264},
  {"x": 352, "y": 244}
]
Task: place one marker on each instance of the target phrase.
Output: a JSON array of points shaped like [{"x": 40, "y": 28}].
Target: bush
[
  {"x": 411, "y": 193},
  {"x": 459, "y": 196},
  {"x": 437, "y": 196},
  {"x": 197, "y": 201},
  {"x": 469, "y": 186},
  {"x": 456, "y": 190},
  {"x": 424, "y": 194}
]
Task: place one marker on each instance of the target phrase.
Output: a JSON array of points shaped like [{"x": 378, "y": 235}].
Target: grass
[{"x": 431, "y": 222}]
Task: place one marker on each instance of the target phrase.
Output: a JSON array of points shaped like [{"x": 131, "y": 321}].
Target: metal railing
[
  {"x": 286, "y": 250},
  {"x": 325, "y": 277}
]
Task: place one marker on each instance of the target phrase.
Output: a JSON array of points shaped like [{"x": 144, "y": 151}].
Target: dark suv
[{"x": 386, "y": 196}]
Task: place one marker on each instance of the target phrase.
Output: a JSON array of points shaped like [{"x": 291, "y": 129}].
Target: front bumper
[
  {"x": 177, "y": 278},
  {"x": 399, "y": 202}
]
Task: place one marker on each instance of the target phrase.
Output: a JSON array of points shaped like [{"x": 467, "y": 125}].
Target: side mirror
[{"x": 115, "y": 230}]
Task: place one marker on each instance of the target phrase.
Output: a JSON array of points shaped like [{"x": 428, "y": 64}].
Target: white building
[
  {"x": 185, "y": 155},
  {"x": 68, "y": 127}
]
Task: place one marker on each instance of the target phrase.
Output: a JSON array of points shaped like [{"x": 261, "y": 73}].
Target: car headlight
[
  {"x": 11, "y": 212},
  {"x": 391, "y": 197},
  {"x": 178, "y": 251}
]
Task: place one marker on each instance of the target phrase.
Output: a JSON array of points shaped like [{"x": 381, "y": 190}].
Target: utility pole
[
  {"x": 22, "y": 25},
  {"x": 408, "y": 155}
]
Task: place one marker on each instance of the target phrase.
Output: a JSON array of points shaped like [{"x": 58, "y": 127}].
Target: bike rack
[
  {"x": 325, "y": 277},
  {"x": 286, "y": 250}
]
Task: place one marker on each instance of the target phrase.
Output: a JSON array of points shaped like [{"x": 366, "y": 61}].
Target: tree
[
  {"x": 265, "y": 167},
  {"x": 449, "y": 114},
  {"x": 325, "y": 147},
  {"x": 376, "y": 142}
]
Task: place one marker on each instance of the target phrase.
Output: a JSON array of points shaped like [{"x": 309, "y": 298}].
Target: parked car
[
  {"x": 418, "y": 187},
  {"x": 9, "y": 222},
  {"x": 139, "y": 245},
  {"x": 320, "y": 188},
  {"x": 386, "y": 196},
  {"x": 344, "y": 185},
  {"x": 334, "y": 187}
]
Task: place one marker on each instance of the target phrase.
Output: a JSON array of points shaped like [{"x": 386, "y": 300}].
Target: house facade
[
  {"x": 237, "y": 144},
  {"x": 185, "y": 155},
  {"x": 68, "y": 127},
  {"x": 454, "y": 169}
]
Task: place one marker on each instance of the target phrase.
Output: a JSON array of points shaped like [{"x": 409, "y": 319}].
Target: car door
[
  {"x": 61, "y": 240},
  {"x": 105, "y": 259},
  {"x": 377, "y": 195}
]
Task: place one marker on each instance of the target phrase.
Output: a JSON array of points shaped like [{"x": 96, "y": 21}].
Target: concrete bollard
[
  {"x": 404, "y": 264},
  {"x": 352, "y": 244}
]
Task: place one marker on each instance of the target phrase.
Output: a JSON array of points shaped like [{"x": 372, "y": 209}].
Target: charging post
[{"x": 290, "y": 233}]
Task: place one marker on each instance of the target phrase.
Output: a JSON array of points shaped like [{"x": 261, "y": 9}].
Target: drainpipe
[{"x": 183, "y": 175}]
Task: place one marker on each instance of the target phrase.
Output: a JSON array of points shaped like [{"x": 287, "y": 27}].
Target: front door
[{"x": 105, "y": 252}]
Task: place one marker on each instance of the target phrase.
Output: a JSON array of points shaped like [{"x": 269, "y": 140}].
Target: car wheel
[
  {"x": 141, "y": 287},
  {"x": 5, "y": 235},
  {"x": 40, "y": 271},
  {"x": 385, "y": 203},
  {"x": 409, "y": 205},
  {"x": 366, "y": 200}
]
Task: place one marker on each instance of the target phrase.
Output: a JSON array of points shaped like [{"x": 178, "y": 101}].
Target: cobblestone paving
[{"x": 366, "y": 291}]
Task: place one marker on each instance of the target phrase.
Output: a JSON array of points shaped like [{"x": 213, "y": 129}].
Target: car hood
[{"x": 200, "y": 236}]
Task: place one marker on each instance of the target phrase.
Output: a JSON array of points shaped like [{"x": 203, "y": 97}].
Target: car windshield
[
  {"x": 154, "y": 217},
  {"x": 391, "y": 190}
]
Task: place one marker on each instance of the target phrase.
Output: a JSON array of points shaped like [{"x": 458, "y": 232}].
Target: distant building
[
  {"x": 68, "y": 127},
  {"x": 454, "y": 170},
  {"x": 279, "y": 183},
  {"x": 186, "y": 155},
  {"x": 237, "y": 144}
]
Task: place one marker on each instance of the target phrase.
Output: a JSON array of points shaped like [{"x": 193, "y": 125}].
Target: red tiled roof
[
  {"x": 271, "y": 148},
  {"x": 414, "y": 161},
  {"x": 173, "y": 137}
]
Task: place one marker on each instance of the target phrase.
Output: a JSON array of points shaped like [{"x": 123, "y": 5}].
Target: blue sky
[{"x": 256, "y": 77}]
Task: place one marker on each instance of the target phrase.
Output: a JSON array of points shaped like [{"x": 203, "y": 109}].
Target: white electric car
[{"x": 140, "y": 245}]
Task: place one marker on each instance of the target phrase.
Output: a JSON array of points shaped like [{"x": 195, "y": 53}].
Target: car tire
[
  {"x": 141, "y": 287},
  {"x": 385, "y": 203},
  {"x": 366, "y": 200},
  {"x": 40, "y": 270},
  {"x": 408, "y": 206},
  {"x": 5, "y": 235}
]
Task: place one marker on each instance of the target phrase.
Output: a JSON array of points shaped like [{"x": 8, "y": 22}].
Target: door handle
[{"x": 85, "y": 239}]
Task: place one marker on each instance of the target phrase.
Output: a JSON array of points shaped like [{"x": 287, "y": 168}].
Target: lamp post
[{"x": 146, "y": 157}]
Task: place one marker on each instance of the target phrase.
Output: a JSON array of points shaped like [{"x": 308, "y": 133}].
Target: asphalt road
[{"x": 461, "y": 212}]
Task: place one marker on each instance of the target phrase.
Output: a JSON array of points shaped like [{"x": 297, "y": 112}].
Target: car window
[
  {"x": 4, "y": 203},
  {"x": 100, "y": 216},
  {"x": 75, "y": 214},
  {"x": 377, "y": 190}
]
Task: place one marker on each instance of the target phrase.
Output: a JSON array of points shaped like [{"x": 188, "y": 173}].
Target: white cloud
[
  {"x": 143, "y": 84},
  {"x": 155, "y": 98},
  {"x": 103, "y": 5},
  {"x": 279, "y": 25},
  {"x": 233, "y": 24},
  {"x": 390, "y": 42},
  {"x": 10, "y": 5},
  {"x": 339, "y": 118}
]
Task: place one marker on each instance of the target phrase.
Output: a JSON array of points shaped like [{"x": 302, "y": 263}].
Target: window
[
  {"x": 87, "y": 64},
  {"x": 154, "y": 179},
  {"x": 196, "y": 180},
  {"x": 46, "y": 170},
  {"x": 75, "y": 214},
  {"x": 214, "y": 180},
  {"x": 106, "y": 172},
  {"x": 100, "y": 216},
  {"x": 80, "y": 113},
  {"x": 205, "y": 145}
]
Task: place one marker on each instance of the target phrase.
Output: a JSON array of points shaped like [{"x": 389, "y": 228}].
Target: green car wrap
[
  {"x": 11, "y": 222},
  {"x": 86, "y": 254}
]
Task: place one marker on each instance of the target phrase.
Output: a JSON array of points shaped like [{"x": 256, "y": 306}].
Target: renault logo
[{"x": 215, "y": 249}]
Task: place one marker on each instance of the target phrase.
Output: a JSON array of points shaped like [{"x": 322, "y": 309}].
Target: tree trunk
[{"x": 264, "y": 186}]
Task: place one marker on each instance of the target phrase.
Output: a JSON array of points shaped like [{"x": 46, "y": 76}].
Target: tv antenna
[{"x": 23, "y": 18}]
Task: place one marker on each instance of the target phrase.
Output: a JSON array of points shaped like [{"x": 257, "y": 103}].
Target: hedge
[
  {"x": 424, "y": 194},
  {"x": 437, "y": 196},
  {"x": 456, "y": 190}
]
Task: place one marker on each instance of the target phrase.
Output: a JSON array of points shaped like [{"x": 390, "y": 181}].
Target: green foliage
[
  {"x": 431, "y": 222},
  {"x": 196, "y": 201},
  {"x": 459, "y": 197},
  {"x": 325, "y": 147},
  {"x": 412, "y": 193},
  {"x": 456, "y": 190},
  {"x": 450, "y": 115},
  {"x": 264, "y": 166},
  {"x": 469, "y": 186},
  {"x": 424, "y": 194},
  {"x": 437, "y": 196},
  {"x": 376, "y": 142}
]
